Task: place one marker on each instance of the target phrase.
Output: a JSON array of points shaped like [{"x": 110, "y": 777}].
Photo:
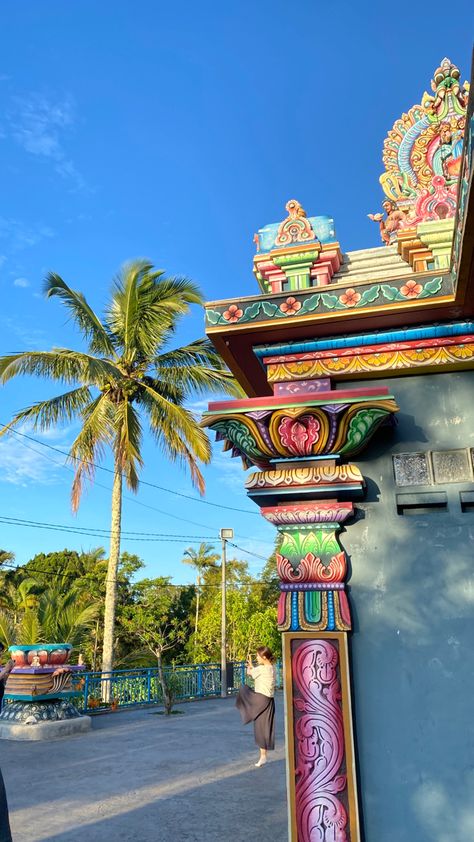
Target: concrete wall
[{"x": 412, "y": 598}]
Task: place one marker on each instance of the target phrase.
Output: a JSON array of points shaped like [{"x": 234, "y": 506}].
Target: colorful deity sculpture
[{"x": 422, "y": 157}]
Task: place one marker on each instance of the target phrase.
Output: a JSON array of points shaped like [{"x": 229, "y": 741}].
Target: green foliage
[
  {"x": 59, "y": 597},
  {"x": 251, "y": 620}
]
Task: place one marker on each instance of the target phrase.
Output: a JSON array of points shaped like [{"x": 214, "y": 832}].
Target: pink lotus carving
[{"x": 299, "y": 435}]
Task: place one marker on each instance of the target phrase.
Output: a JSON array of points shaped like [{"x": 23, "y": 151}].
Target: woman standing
[{"x": 258, "y": 706}]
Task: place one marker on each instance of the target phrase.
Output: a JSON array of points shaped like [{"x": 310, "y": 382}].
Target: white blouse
[{"x": 265, "y": 679}]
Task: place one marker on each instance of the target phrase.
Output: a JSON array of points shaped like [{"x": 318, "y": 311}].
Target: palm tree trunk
[
  {"x": 111, "y": 587},
  {"x": 96, "y": 643}
]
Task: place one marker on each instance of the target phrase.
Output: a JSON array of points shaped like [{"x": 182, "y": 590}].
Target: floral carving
[
  {"x": 299, "y": 435},
  {"x": 290, "y": 306},
  {"x": 350, "y": 297},
  {"x": 411, "y": 289},
  {"x": 319, "y": 743},
  {"x": 233, "y": 313}
]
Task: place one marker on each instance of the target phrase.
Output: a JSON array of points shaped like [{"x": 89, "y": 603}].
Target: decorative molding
[
  {"x": 388, "y": 358},
  {"x": 309, "y": 429},
  {"x": 303, "y": 303},
  {"x": 296, "y": 228}
]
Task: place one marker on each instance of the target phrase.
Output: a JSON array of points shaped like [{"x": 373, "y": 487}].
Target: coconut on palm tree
[
  {"x": 200, "y": 559},
  {"x": 127, "y": 376}
]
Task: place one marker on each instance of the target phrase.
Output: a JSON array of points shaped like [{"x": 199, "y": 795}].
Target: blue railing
[{"x": 126, "y": 688}]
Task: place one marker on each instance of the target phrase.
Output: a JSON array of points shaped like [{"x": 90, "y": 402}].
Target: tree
[
  {"x": 56, "y": 616},
  {"x": 251, "y": 618},
  {"x": 126, "y": 375},
  {"x": 200, "y": 559},
  {"x": 157, "y": 619},
  {"x": 6, "y": 556}
]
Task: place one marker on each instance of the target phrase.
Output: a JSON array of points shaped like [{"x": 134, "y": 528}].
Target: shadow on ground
[{"x": 147, "y": 778}]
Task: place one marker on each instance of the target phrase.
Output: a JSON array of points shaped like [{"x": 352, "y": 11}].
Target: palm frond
[
  {"x": 128, "y": 440},
  {"x": 60, "y": 364},
  {"x": 59, "y": 410},
  {"x": 177, "y": 433},
  {"x": 145, "y": 307},
  {"x": 89, "y": 445},
  {"x": 82, "y": 314},
  {"x": 29, "y": 630},
  {"x": 197, "y": 368},
  {"x": 8, "y": 630}
]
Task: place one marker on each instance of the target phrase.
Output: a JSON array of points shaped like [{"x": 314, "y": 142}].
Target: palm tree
[
  {"x": 125, "y": 376},
  {"x": 200, "y": 559}
]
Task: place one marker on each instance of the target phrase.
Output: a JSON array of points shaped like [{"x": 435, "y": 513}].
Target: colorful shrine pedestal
[{"x": 39, "y": 692}]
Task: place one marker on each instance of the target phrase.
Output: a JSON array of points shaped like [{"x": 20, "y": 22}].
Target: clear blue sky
[{"x": 174, "y": 131}]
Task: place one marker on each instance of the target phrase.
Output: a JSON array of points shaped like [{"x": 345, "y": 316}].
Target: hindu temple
[{"x": 357, "y": 439}]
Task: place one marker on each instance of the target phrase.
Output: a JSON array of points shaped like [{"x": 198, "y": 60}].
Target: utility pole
[{"x": 225, "y": 535}]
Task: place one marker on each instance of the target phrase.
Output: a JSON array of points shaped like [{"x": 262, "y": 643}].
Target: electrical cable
[
  {"x": 143, "y": 482},
  {"x": 126, "y": 496}
]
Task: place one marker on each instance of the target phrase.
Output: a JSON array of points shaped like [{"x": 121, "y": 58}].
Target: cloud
[
  {"x": 197, "y": 407},
  {"x": 229, "y": 471},
  {"x": 22, "y": 466},
  {"x": 21, "y": 236},
  {"x": 31, "y": 338},
  {"x": 37, "y": 124},
  {"x": 24, "y": 462},
  {"x": 21, "y": 282}
]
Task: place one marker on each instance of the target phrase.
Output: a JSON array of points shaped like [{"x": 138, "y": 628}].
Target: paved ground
[{"x": 147, "y": 778}]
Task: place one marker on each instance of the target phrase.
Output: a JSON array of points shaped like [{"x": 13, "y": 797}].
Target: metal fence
[{"x": 99, "y": 691}]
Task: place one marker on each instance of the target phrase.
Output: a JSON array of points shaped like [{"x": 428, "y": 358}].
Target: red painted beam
[{"x": 313, "y": 397}]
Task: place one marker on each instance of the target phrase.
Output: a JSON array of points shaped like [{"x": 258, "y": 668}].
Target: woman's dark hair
[{"x": 265, "y": 652}]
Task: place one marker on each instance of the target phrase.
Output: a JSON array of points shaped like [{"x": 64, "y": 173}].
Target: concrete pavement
[{"x": 148, "y": 778}]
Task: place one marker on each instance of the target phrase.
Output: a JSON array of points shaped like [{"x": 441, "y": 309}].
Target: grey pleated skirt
[
  {"x": 5, "y": 833},
  {"x": 259, "y": 709}
]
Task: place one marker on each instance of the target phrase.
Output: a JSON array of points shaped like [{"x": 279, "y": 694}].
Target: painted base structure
[
  {"x": 44, "y": 730},
  {"x": 39, "y": 692}
]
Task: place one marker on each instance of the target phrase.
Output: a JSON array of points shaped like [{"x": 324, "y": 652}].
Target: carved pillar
[{"x": 297, "y": 442}]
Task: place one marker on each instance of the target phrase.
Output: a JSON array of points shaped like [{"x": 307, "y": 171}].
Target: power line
[
  {"x": 27, "y": 568},
  {"x": 143, "y": 482},
  {"x": 96, "y": 532},
  {"x": 100, "y": 533},
  {"x": 132, "y": 499},
  {"x": 107, "y": 488},
  {"x": 249, "y": 552}
]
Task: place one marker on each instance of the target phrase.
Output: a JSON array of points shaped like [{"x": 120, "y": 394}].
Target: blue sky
[{"x": 174, "y": 131}]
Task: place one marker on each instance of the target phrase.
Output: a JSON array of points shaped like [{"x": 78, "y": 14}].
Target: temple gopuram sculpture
[
  {"x": 422, "y": 157},
  {"x": 357, "y": 433}
]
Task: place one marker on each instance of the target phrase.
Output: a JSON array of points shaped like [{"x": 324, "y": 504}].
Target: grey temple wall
[{"x": 411, "y": 589}]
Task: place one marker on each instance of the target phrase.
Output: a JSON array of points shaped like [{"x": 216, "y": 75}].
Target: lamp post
[{"x": 225, "y": 535}]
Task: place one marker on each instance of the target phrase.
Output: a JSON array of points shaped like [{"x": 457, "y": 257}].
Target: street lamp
[{"x": 225, "y": 535}]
